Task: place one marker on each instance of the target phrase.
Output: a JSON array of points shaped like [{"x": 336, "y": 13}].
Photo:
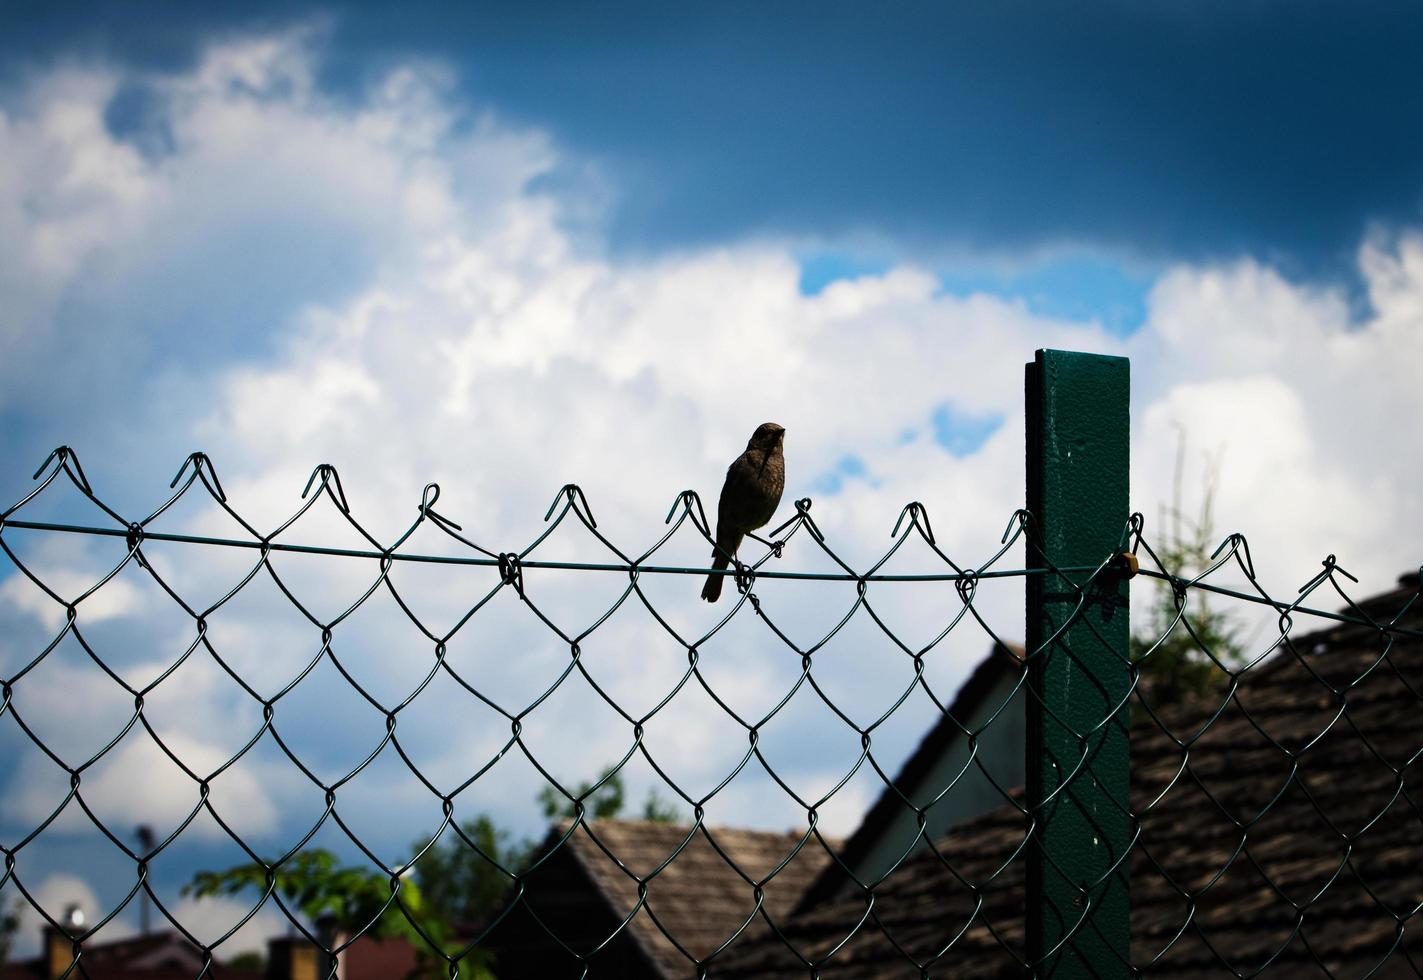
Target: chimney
[
  {"x": 58, "y": 947},
  {"x": 58, "y": 953},
  {"x": 293, "y": 958}
]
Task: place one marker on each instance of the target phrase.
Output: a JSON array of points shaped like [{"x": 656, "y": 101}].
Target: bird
[{"x": 748, "y": 497}]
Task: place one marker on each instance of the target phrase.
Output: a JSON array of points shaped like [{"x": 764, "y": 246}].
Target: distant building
[
  {"x": 163, "y": 955},
  {"x": 166, "y": 955},
  {"x": 368, "y": 958},
  {"x": 704, "y": 898}
]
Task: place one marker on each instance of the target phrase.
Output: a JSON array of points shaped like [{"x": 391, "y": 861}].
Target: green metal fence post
[{"x": 1078, "y": 763}]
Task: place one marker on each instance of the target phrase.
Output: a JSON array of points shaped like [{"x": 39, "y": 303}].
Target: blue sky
[
  {"x": 506, "y": 247},
  {"x": 1157, "y": 132}
]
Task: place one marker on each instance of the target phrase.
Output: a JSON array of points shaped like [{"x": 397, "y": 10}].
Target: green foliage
[
  {"x": 248, "y": 962},
  {"x": 604, "y": 803},
  {"x": 353, "y": 899},
  {"x": 318, "y": 887},
  {"x": 1184, "y": 648},
  {"x": 463, "y": 884},
  {"x": 659, "y": 809},
  {"x": 452, "y": 886}
]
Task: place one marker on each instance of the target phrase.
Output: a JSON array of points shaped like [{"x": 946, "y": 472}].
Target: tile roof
[
  {"x": 1285, "y": 836},
  {"x": 699, "y": 897}
]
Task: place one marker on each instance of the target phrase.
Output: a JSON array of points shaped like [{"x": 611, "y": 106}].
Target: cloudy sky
[{"x": 504, "y": 250}]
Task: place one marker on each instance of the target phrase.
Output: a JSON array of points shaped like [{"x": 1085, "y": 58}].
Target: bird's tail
[
  {"x": 711, "y": 592},
  {"x": 725, "y": 545}
]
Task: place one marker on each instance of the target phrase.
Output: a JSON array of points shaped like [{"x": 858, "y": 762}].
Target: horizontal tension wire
[
  {"x": 306, "y": 549},
  {"x": 683, "y": 570}
]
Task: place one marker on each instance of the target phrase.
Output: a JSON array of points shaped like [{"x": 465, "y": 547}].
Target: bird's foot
[{"x": 776, "y": 546}]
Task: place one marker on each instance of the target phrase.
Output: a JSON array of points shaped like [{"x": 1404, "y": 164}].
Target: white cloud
[
  {"x": 165, "y": 794},
  {"x": 58, "y": 892},
  {"x": 66, "y": 189},
  {"x": 137, "y": 784},
  {"x": 74, "y": 709},
  {"x": 115, "y": 598},
  {"x": 208, "y": 919},
  {"x": 1305, "y": 407}
]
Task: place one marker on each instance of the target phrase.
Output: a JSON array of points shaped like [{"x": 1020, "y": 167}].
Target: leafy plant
[
  {"x": 248, "y": 962},
  {"x": 457, "y": 879},
  {"x": 603, "y": 803},
  {"x": 452, "y": 888},
  {"x": 352, "y": 899},
  {"x": 1186, "y": 645},
  {"x": 658, "y": 809},
  {"x": 606, "y": 802}
]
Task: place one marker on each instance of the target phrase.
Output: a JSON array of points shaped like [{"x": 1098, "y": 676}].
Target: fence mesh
[{"x": 1273, "y": 827}]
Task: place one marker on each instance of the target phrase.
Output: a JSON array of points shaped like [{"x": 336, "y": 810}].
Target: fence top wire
[{"x": 687, "y": 507}]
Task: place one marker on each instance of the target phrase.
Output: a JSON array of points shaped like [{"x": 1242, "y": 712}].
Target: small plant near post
[{"x": 1186, "y": 648}]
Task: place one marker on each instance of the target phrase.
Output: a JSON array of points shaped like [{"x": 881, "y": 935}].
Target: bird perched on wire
[{"x": 748, "y": 498}]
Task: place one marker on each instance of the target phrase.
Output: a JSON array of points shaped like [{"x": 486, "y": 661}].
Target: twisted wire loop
[{"x": 1274, "y": 824}]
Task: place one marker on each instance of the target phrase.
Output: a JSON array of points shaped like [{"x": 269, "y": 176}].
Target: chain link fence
[{"x": 1222, "y": 791}]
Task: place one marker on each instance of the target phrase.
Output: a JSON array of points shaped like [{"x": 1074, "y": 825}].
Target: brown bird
[{"x": 748, "y": 498}]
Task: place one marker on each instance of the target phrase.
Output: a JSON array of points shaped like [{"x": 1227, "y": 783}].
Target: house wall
[{"x": 1000, "y": 750}]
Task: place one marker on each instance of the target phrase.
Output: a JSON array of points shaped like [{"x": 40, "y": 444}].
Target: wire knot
[
  {"x": 133, "y": 538},
  {"x": 511, "y": 571},
  {"x": 966, "y": 585},
  {"x": 745, "y": 576}
]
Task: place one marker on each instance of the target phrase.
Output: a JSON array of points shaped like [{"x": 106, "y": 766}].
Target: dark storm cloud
[{"x": 1164, "y": 130}]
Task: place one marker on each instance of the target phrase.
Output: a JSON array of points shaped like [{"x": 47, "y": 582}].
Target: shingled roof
[
  {"x": 703, "y": 896},
  {"x": 1283, "y": 835}
]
